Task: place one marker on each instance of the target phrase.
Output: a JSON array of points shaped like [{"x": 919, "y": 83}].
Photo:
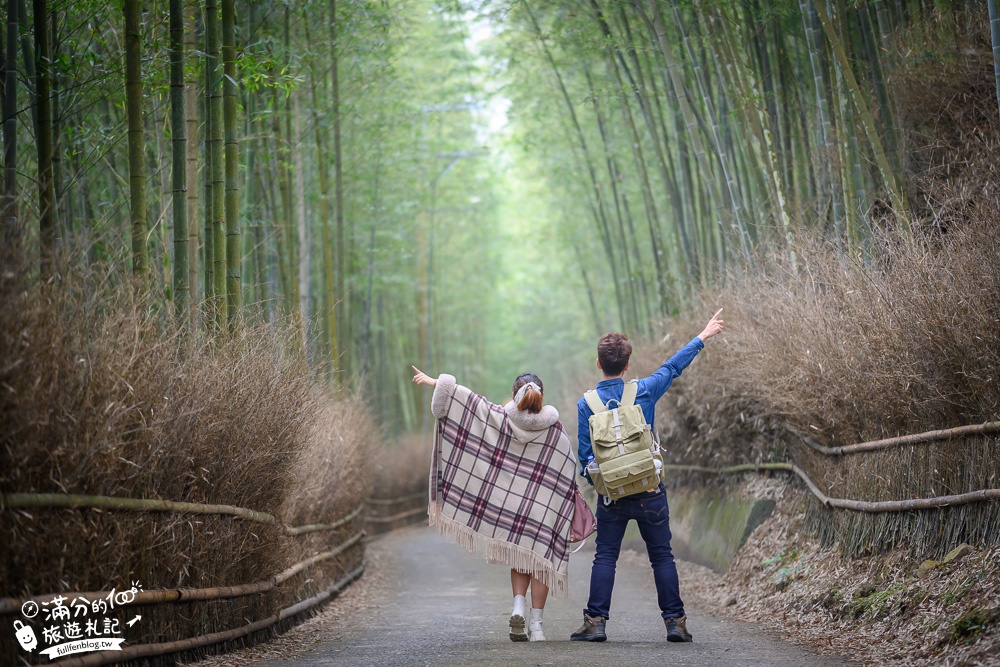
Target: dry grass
[
  {"x": 343, "y": 437},
  {"x": 100, "y": 394},
  {"x": 846, "y": 350},
  {"x": 402, "y": 468}
]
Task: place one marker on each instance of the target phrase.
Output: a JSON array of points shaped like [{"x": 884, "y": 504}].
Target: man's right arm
[
  {"x": 658, "y": 383},
  {"x": 661, "y": 379}
]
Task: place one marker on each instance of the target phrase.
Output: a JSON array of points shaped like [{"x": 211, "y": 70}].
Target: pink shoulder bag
[{"x": 584, "y": 523}]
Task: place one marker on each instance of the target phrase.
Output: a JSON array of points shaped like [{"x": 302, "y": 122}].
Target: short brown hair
[{"x": 613, "y": 352}]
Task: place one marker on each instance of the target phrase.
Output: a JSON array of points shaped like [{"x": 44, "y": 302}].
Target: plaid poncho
[{"x": 501, "y": 482}]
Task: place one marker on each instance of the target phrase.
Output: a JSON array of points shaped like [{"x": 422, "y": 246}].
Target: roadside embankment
[{"x": 887, "y": 609}]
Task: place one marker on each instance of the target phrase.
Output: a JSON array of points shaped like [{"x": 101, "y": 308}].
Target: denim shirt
[{"x": 650, "y": 390}]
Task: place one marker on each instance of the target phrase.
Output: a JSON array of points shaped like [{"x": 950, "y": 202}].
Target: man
[{"x": 648, "y": 509}]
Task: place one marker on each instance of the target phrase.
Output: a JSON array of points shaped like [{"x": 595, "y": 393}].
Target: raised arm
[
  {"x": 658, "y": 383},
  {"x": 446, "y": 388},
  {"x": 713, "y": 327},
  {"x": 423, "y": 378}
]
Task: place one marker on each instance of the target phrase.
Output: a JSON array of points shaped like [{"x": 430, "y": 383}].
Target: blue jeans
[{"x": 651, "y": 513}]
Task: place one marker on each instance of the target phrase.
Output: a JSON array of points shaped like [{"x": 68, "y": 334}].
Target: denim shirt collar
[{"x": 613, "y": 382}]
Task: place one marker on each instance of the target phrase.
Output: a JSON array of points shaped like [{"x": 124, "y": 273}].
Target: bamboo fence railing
[
  {"x": 876, "y": 445},
  {"x": 381, "y": 523},
  {"x": 9, "y": 605},
  {"x": 56, "y": 500},
  {"x": 845, "y": 503},
  {"x": 164, "y": 648},
  {"x": 158, "y": 596},
  {"x": 929, "y": 436}
]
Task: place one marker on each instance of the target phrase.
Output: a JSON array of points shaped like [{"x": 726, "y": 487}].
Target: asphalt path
[{"x": 440, "y": 606}]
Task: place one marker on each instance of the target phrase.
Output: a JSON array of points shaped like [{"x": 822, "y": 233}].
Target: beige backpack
[{"x": 626, "y": 456}]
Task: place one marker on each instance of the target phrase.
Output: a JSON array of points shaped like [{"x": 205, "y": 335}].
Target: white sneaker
[
  {"x": 517, "y": 633},
  {"x": 535, "y": 626}
]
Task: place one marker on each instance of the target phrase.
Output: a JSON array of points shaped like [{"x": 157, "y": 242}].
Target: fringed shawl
[{"x": 501, "y": 482}]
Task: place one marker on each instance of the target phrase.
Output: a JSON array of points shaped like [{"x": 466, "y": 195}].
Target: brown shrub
[
  {"x": 403, "y": 467},
  {"x": 100, "y": 394}
]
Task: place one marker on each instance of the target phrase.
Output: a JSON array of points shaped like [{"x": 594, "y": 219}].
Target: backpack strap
[
  {"x": 594, "y": 401},
  {"x": 629, "y": 393}
]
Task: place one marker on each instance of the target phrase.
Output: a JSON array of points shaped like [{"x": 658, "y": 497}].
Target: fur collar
[{"x": 532, "y": 422}]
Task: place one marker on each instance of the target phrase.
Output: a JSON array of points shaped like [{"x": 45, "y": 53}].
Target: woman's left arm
[
  {"x": 443, "y": 386},
  {"x": 423, "y": 378}
]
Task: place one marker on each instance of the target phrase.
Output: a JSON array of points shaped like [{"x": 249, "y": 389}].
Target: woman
[{"x": 501, "y": 485}]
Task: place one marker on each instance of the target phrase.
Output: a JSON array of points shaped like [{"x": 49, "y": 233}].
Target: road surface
[{"x": 437, "y": 605}]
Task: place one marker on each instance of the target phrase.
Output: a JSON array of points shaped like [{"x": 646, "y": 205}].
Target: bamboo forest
[{"x": 234, "y": 230}]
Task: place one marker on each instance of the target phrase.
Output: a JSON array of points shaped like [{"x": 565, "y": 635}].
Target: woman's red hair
[{"x": 532, "y": 400}]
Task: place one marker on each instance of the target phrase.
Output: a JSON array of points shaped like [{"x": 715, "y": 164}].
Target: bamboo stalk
[
  {"x": 616, "y": 196},
  {"x": 316, "y": 599},
  {"x": 712, "y": 189},
  {"x": 314, "y": 527},
  {"x": 394, "y": 517},
  {"x": 231, "y": 208},
  {"x": 895, "y": 193},
  {"x": 337, "y": 292},
  {"x": 56, "y": 500},
  {"x": 12, "y": 225},
  {"x": 216, "y": 169},
  {"x": 393, "y": 501},
  {"x": 734, "y": 202},
  {"x": 929, "y": 436},
  {"x": 318, "y": 558},
  {"x": 329, "y": 297},
  {"x": 995, "y": 37},
  {"x": 637, "y": 89},
  {"x": 163, "y": 648},
  {"x": 846, "y": 503},
  {"x": 825, "y": 169},
  {"x": 136, "y": 145},
  {"x": 595, "y": 195},
  {"x": 179, "y": 180},
  {"x": 191, "y": 172}
]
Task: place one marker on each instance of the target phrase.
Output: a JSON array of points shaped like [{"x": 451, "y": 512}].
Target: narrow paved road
[{"x": 440, "y": 606}]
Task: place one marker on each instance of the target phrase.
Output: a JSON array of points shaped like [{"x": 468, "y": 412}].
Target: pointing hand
[
  {"x": 423, "y": 378},
  {"x": 713, "y": 327}
]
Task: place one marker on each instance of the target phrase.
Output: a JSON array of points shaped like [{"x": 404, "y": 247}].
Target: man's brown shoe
[
  {"x": 592, "y": 630},
  {"x": 677, "y": 630}
]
